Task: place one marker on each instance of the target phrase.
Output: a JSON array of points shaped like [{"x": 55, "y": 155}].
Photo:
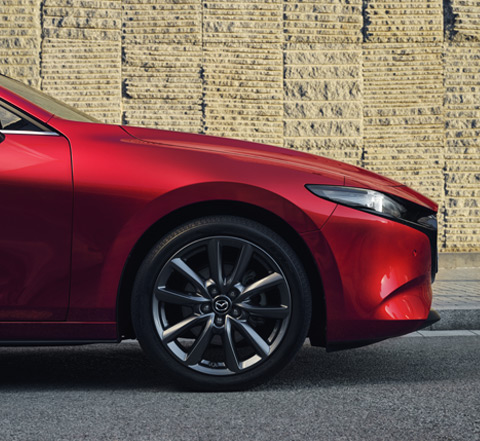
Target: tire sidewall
[{"x": 263, "y": 237}]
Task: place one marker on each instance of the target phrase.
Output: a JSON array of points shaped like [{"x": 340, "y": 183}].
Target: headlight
[
  {"x": 369, "y": 200},
  {"x": 429, "y": 221}
]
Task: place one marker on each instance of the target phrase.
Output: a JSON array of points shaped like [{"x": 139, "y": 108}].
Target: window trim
[
  {"x": 44, "y": 130},
  {"x": 28, "y": 132}
]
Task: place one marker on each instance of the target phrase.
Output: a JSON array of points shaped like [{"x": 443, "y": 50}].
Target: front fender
[{"x": 109, "y": 262}]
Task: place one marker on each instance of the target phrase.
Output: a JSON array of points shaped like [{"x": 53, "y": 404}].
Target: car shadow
[{"x": 124, "y": 366}]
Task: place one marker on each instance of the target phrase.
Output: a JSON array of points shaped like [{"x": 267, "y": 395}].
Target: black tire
[{"x": 222, "y": 302}]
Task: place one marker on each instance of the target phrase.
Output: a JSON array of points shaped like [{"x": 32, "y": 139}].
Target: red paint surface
[
  {"x": 35, "y": 227},
  {"x": 375, "y": 272},
  {"x": 370, "y": 273}
]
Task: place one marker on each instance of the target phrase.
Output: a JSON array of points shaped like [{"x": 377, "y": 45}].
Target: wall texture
[{"x": 391, "y": 86}]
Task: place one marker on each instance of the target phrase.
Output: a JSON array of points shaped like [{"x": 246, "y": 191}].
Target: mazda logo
[{"x": 221, "y": 305}]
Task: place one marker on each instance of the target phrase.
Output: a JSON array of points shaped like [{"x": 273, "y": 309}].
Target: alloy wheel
[{"x": 221, "y": 305}]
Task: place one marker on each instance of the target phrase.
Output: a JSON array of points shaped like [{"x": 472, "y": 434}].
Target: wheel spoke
[
  {"x": 261, "y": 285},
  {"x": 168, "y": 296},
  {"x": 215, "y": 261},
  {"x": 242, "y": 264},
  {"x": 188, "y": 312},
  {"x": 259, "y": 344},
  {"x": 191, "y": 275},
  {"x": 175, "y": 331},
  {"x": 196, "y": 353},
  {"x": 275, "y": 312},
  {"x": 231, "y": 359}
]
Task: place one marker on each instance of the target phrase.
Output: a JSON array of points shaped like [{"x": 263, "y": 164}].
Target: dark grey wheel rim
[{"x": 221, "y": 305}]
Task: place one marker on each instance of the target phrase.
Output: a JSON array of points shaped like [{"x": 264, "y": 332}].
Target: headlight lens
[
  {"x": 361, "y": 198},
  {"x": 429, "y": 221}
]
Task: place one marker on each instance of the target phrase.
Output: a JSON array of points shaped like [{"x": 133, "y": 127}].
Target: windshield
[{"x": 44, "y": 101}]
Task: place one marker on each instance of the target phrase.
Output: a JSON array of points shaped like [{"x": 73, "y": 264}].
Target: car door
[{"x": 35, "y": 219}]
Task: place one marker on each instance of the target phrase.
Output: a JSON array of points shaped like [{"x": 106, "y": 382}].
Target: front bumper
[
  {"x": 399, "y": 327},
  {"x": 376, "y": 275},
  {"x": 433, "y": 317}
]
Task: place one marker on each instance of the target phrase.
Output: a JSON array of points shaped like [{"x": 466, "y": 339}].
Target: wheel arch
[{"x": 218, "y": 207}]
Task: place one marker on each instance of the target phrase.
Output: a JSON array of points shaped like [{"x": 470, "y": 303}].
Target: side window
[{"x": 13, "y": 121}]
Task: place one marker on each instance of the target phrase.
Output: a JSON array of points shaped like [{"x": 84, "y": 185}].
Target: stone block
[{"x": 375, "y": 83}]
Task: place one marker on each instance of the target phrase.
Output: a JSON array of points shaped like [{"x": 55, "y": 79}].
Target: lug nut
[
  {"x": 232, "y": 294},
  {"x": 214, "y": 291},
  {"x": 206, "y": 308},
  {"x": 219, "y": 321},
  {"x": 236, "y": 312}
]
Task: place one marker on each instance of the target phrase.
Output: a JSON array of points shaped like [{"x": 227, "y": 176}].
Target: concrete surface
[{"x": 456, "y": 297}]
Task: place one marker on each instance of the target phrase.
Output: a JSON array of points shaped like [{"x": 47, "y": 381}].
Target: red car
[{"x": 220, "y": 256}]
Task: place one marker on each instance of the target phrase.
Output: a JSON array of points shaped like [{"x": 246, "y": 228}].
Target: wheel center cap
[{"x": 222, "y": 304}]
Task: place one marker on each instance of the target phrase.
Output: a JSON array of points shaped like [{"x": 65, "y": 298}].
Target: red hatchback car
[{"x": 219, "y": 256}]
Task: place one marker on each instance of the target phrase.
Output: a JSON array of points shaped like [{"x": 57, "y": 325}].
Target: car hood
[{"x": 352, "y": 176}]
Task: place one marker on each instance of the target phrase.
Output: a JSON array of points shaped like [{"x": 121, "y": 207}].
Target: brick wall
[{"x": 387, "y": 85}]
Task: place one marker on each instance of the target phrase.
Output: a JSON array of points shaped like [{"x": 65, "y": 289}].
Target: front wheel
[{"x": 222, "y": 302}]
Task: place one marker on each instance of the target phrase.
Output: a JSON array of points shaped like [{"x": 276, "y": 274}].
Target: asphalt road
[{"x": 409, "y": 388}]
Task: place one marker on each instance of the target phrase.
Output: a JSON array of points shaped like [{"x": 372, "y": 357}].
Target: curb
[
  {"x": 465, "y": 315},
  {"x": 458, "y": 260},
  {"x": 457, "y": 319}
]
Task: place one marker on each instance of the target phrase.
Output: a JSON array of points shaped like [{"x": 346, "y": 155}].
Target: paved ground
[
  {"x": 456, "y": 296},
  {"x": 457, "y": 288},
  {"x": 401, "y": 389}
]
